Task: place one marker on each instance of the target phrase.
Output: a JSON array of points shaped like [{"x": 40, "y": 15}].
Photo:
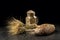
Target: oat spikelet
[{"x": 14, "y": 26}]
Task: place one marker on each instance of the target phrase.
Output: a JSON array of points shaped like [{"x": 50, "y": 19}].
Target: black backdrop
[{"x": 46, "y": 11}]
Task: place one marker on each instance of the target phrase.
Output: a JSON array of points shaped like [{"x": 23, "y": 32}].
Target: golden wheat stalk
[{"x": 14, "y": 26}]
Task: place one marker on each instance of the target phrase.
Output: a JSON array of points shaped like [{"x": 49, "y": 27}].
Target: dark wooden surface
[{"x": 54, "y": 36}]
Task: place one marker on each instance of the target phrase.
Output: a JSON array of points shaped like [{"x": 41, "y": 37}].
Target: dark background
[{"x": 46, "y": 11}]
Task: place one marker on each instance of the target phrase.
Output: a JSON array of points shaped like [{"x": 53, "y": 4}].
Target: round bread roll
[
  {"x": 48, "y": 28},
  {"x": 45, "y": 29}
]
